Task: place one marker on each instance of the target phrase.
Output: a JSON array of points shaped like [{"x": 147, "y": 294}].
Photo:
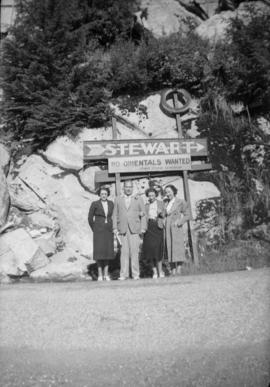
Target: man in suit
[{"x": 129, "y": 223}]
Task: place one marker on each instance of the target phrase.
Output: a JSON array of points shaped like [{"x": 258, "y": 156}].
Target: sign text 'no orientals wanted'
[
  {"x": 149, "y": 163},
  {"x": 144, "y": 147}
]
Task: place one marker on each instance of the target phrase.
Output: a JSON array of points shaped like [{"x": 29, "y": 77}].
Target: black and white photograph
[{"x": 135, "y": 193}]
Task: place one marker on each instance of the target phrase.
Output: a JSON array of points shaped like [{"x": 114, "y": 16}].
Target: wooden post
[
  {"x": 186, "y": 189},
  {"x": 117, "y": 175}
]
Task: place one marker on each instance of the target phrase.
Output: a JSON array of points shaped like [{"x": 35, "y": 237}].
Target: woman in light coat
[{"x": 177, "y": 214}]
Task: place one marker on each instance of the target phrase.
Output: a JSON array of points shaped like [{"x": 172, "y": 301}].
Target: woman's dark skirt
[
  {"x": 153, "y": 243},
  {"x": 103, "y": 243}
]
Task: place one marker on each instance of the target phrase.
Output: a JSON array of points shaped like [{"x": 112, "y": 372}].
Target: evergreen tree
[{"x": 50, "y": 87}]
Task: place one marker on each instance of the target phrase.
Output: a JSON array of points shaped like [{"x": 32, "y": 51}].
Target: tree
[
  {"x": 47, "y": 90},
  {"x": 240, "y": 68}
]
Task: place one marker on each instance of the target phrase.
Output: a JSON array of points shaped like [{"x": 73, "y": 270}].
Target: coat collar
[{"x": 175, "y": 204}]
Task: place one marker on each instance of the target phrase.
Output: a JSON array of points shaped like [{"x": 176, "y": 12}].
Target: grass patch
[{"x": 236, "y": 255}]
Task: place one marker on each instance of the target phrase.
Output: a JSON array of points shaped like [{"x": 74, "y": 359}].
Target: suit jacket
[
  {"x": 132, "y": 217},
  {"x": 161, "y": 213},
  {"x": 96, "y": 216}
]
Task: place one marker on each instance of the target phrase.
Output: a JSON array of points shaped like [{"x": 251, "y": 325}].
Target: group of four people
[{"x": 158, "y": 223}]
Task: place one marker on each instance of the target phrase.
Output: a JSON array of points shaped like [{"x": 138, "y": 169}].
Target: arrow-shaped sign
[
  {"x": 144, "y": 147},
  {"x": 193, "y": 147},
  {"x": 93, "y": 150}
]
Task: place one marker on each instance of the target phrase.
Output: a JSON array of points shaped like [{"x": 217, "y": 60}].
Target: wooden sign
[
  {"x": 143, "y": 147},
  {"x": 149, "y": 163},
  {"x": 106, "y": 177}
]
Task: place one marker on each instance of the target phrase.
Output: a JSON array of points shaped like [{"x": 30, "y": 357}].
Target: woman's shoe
[
  {"x": 100, "y": 278},
  {"x": 161, "y": 275},
  {"x": 155, "y": 276},
  {"x": 106, "y": 278}
]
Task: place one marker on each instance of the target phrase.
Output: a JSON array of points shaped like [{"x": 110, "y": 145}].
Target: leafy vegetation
[{"x": 53, "y": 81}]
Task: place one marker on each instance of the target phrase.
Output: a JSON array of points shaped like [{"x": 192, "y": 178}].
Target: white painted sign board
[{"x": 149, "y": 163}]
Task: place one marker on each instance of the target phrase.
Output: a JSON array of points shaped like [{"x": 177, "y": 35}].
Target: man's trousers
[{"x": 130, "y": 249}]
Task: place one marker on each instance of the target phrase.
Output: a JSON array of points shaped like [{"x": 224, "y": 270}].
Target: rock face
[
  {"x": 4, "y": 198},
  {"x": 65, "y": 153},
  {"x": 19, "y": 253},
  {"x": 166, "y": 16},
  {"x": 4, "y": 158},
  {"x": 22, "y": 197},
  {"x": 51, "y": 193},
  {"x": 215, "y": 28},
  {"x": 65, "y": 266},
  {"x": 62, "y": 195},
  {"x": 152, "y": 122},
  {"x": 87, "y": 177}
]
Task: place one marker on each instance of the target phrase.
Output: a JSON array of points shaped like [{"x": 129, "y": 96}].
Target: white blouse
[
  {"x": 153, "y": 210},
  {"x": 105, "y": 208}
]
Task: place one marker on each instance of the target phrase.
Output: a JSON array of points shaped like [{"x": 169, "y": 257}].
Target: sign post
[
  {"x": 117, "y": 174},
  {"x": 186, "y": 187}
]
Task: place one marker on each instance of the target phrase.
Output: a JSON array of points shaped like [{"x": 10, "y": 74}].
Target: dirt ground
[{"x": 204, "y": 330}]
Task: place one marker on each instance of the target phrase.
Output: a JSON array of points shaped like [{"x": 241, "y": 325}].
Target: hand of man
[
  {"x": 142, "y": 233},
  {"x": 178, "y": 223}
]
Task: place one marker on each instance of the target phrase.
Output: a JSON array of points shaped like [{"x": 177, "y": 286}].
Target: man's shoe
[
  {"x": 122, "y": 278},
  {"x": 155, "y": 276},
  {"x": 107, "y": 278},
  {"x": 161, "y": 275},
  {"x": 136, "y": 278},
  {"x": 100, "y": 278}
]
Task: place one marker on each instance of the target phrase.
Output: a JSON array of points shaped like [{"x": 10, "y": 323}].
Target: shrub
[{"x": 240, "y": 68}]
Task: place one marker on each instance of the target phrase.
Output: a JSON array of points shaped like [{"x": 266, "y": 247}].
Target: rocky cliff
[
  {"x": 45, "y": 196},
  {"x": 51, "y": 191}
]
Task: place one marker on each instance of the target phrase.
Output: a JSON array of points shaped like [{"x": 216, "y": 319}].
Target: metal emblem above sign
[{"x": 144, "y": 147}]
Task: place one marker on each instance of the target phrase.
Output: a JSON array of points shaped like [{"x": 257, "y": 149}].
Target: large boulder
[
  {"x": 42, "y": 219},
  {"x": 39, "y": 177},
  {"x": 44, "y": 229},
  {"x": 216, "y": 27},
  {"x": 65, "y": 266},
  {"x": 4, "y": 159},
  {"x": 87, "y": 177},
  {"x": 61, "y": 194},
  {"x": 65, "y": 153},
  {"x": 150, "y": 120},
  {"x": 4, "y": 198},
  {"x": 19, "y": 253},
  {"x": 165, "y": 17},
  {"x": 22, "y": 197}
]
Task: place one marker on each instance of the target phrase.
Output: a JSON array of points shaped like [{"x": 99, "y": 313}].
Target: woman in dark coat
[
  {"x": 153, "y": 238},
  {"x": 100, "y": 221}
]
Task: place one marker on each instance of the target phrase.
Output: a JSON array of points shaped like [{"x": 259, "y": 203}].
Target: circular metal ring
[{"x": 165, "y": 94}]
